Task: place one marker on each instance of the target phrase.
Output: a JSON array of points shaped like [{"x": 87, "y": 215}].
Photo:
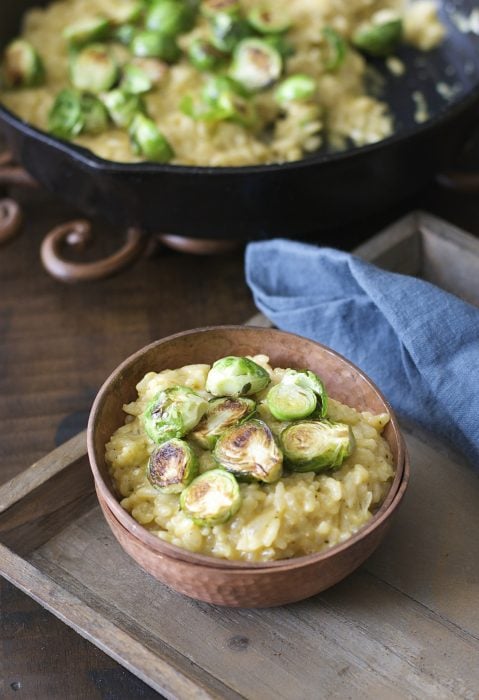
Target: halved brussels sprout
[
  {"x": 135, "y": 80},
  {"x": 381, "y": 36},
  {"x": 290, "y": 401},
  {"x": 204, "y": 56},
  {"x": 65, "y": 118},
  {"x": 227, "y": 30},
  {"x": 94, "y": 69},
  {"x": 153, "y": 45},
  {"x": 22, "y": 65},
  {"x": 211, "y": 7},
  {"x": 336, "y": 49},
  {"x": 295, "y": 88},
  {"x": 267, "y": 20},
  {"x": 172, "y": 466},
  {"x": 95, "y": 115},
  {"x": 173, "y": 413},
  {"x": 147, "y": 140},
  {"x": 221, "y": 415},
  {"x": 236, "y": 376},
  {"x": 212, "y": 498},
  {"x": 256, "y": 64},
  {"x": 249, "y": 451},
  {"x": 169, "y": 17},
  {"x": 86, "y": 29},
  {"x": 309, "y": 380},
  {"x": 312, "y": 446},
  {"x": 122, "y": 107}
]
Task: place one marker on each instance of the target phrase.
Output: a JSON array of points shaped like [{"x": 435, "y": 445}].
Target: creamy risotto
[
  {"x": 300, "y": 513},
  {"x": 256, "y": 116}
]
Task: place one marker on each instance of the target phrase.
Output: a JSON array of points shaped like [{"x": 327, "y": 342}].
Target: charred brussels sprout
[
  {"x": 169, "y": 17},
  {"x": 223, "y": 100},
  {"x": 94, "y": 69},
  {"x": 204, "y": 56},
  {"x": 221, "y": 415},
  {"x": 250, "y": 452},
  {"x": 122, "y": 107},
  {"x": 316, "y": 445},
  {"x": 256, "y": 64},
  {"x": 147, "y": 140},
  {"x": 153, "y": 45},
  {"x": 73, "y": 113},
  {"x": 290, "y": 401},
  {"x": 309, "y": 380},
  {"x": 212, "y": 498},
  {"x": 382, "y": 36},
  {"x": 22, "y": 65},
  {"x": 86, "y": 30},
  {"x": 268, "y": 21},
  {"x": 236, "y": 376},
  {"x": 295, "y": 88},
  {"x": 135, "y": 80},
  {"x": 173, "y": 413},
  {"x": 336, "y": 49},
  {"x": 172, "y": 466}
]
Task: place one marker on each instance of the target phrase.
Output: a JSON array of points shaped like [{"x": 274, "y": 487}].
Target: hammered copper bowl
[{"x": 219, "y": 581}]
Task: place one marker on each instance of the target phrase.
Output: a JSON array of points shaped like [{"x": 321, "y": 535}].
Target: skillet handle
[{"x": 77, "y": 234}]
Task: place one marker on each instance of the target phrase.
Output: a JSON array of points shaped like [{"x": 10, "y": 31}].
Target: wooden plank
[{"x": 398, "y": 248}]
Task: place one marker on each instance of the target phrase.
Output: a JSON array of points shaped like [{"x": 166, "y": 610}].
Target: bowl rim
[{"x": 173, "y": 551}]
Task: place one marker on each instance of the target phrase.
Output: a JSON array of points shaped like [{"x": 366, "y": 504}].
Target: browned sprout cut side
[
  {"x": 172, "y": 466},
  {"x": 313, "y": 446},
  {"x": 212, "y": 498},
  {"x": 221, "y": 415},
  {"x": 249, "y": 451}
]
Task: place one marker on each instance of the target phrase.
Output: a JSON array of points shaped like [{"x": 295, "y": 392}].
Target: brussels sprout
[
  {"x": 169, "y": 17},
  {"x": 173, "y": 413},
  {"x": 122, "y": 107},
  {"x": 86, "y": 30},
  {"x": 154, "y": 45},
  {"x": 212, "y": 498},
  {"x": 381, "y": 36},
  {"x": 147, "y": 140},
  {"x": 256, "y": 64},
  {"x": 65, "y": 118},
  {"x": 295, "y": 88},
  {"x": 95, "y": 115},
  {"x": 22, "y": 65},
  {"x": 290, "y": 401},
  {"x": 172, "y": 466},
  {"x": 223, "y": 100},
  {"x": 308, "y": 380},
  {"x": 227, "y": 30},
  {"x": 94, "y": 69},
  {"x": 135, "y": 80},
  {"x": 124, "y": 34},
  {"x": 204, "y": 56},
  {"x": 280, "y": 44},
  {"x": 221, "y": 415},
  {"x": 337, "y": 48},
  {"x": 268, "y": 21},
  {"x": 155, "y": 69},
  {"x": 236, "y": 376},
  {"x": 212, "y": 7},
  {"x": 249, "y": 451},
  {"x": 316, "y": 445}
]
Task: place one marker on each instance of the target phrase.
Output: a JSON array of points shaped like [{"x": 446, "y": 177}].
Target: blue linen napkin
[{"x": 419, "y": 343}]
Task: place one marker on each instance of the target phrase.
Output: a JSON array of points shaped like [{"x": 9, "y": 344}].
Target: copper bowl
[{"x": 219, "y": 581}]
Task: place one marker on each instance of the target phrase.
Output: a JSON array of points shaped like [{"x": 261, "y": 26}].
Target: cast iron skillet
[{"x": 319, "y": 193}]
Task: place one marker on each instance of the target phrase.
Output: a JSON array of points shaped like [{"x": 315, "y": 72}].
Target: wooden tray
[{"x": 405, "y": 625}]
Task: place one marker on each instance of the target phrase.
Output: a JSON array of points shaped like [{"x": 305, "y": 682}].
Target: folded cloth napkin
[{"x": 419, "y": 343}]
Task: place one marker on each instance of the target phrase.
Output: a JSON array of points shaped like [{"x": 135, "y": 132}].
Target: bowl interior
[{"x": 343, "y": 380}]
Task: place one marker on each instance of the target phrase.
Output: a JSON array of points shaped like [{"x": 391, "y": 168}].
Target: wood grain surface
[{"x": 57, "y": 344}]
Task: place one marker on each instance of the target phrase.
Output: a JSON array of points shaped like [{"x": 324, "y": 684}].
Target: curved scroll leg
[
  {"x": 10, "y": 219},
  {"x": 77, "y": 234}
]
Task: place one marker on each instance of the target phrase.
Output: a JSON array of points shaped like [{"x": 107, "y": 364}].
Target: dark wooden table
[{"x": 57, "y": 344}]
